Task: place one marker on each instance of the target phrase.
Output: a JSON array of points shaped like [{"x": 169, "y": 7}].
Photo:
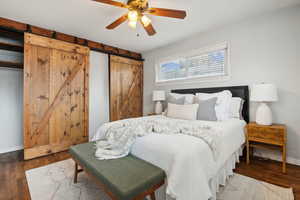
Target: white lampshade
[
  {"x": 159, "y": 95},
  {"x": 264, "y": 93}
]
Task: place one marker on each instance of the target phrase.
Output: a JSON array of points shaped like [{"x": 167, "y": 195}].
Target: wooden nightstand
[{"x": 267, "y": 137}]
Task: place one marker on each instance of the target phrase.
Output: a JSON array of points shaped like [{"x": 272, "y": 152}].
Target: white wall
[
  {"x": 99, "y": 91},
  {"x": 11, "y": 101},
  {"x": 262, "y": 49},
  {"x": 11, "y": 109}
]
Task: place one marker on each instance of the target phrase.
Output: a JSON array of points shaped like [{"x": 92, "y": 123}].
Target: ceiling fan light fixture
[
  {"x": 145, "y": 20},
  {"x": 132, "y": 24},
  {"x": 133, "y": 15}
]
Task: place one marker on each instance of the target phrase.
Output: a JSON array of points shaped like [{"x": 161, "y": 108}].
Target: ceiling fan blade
[
  {"x": 113, "y": 3},
  {"x": 149, "y": 29},
  {"x": 180, "y": 14},
  {"x": 118, "y": 22}
]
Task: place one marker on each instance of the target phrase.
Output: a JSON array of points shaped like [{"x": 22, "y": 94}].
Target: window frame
[{"x": 193, "y": 53}]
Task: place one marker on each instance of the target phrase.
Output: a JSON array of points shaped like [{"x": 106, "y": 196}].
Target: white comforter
[
  {"x": 188, "y": 161},
  {"x": 119, "y": 136}
]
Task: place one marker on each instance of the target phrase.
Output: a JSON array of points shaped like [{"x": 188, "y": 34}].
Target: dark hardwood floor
[
  {"x": 13, "y": 184},
  {"x": 271, "y": 171}
]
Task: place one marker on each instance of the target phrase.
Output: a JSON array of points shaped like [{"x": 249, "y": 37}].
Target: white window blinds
[{"x": 199, "y": 64}]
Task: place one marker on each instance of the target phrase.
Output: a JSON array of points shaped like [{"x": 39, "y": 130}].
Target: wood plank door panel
[
  {"x": 55, "y": 95},
  {"x": 60, "y": 123},
  {"x": 126, "y": 88},
  {"x": 38, "y": 73}
]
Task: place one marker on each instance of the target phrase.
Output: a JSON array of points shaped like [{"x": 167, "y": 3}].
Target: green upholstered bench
[{"x": 128, "y": 178}]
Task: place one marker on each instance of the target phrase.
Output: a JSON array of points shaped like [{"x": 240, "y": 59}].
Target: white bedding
[
  {"x": 119, "y": 136},
  {"x": 188, "y": 161}
]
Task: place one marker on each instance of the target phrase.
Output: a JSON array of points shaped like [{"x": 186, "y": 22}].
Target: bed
[{"x": 193, "y": 172}]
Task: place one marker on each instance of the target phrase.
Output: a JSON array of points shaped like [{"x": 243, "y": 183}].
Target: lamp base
[
  {"x": 264, "y": 115},
  {"x": 158, "y": 108}
]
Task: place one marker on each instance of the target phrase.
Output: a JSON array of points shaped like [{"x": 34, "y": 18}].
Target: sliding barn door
[
  {"x": 55, "y": 95},
  {"x": 126, "y": 88}
]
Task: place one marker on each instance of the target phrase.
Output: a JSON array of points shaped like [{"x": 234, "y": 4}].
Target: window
[{"x": 200, "y": 64}]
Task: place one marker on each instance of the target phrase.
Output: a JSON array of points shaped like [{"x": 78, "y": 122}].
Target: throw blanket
[{"x": 119, "y": 136}]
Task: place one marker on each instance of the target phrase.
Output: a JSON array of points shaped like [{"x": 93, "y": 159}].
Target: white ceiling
[{"x": 87, "y": 19}]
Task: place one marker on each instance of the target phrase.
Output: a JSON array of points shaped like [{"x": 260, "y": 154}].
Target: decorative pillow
[
  {"x": 189, "y": 98},
  {"x": 223, "y": 103},
  {"x": 188, "y": 112},
  {"x": 206, "y": 110},
  {"x": 173, "y": 100},
  {"x": 236, "y": 107}
]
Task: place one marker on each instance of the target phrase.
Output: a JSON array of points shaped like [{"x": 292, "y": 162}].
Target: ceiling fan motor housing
[{"x": 140, "y": 5}]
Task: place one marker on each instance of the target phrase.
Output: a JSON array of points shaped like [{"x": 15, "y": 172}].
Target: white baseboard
[
  {"x": 10, "y": 149},
  {"x": 276, "y": 156}
]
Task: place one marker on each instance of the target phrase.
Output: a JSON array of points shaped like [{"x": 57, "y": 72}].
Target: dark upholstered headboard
[{"x": 237, "y": 91}]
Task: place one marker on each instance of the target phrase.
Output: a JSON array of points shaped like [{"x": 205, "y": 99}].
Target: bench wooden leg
[
  {"x": 153, "y": 196},
  {"x": 76, "y": 173}
]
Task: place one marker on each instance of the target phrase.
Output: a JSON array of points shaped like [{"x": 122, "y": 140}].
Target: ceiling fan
[{"x": 137, "y": 10}]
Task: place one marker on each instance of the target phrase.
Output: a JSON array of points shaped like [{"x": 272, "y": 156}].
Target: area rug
[{"x": 55, "y": 182}]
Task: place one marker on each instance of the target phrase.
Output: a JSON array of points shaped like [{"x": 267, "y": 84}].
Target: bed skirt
[
  {"x": 225, "y": 172},
  {"x": 219, "y": 180}
]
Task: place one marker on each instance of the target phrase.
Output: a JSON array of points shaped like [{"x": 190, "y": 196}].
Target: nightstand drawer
[{"x": 267, "y": 134}]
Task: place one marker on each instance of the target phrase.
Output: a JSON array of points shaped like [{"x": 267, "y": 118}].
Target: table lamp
[
  {"x": 158, "y": 96},
  {"x": 264, "y": 93}
]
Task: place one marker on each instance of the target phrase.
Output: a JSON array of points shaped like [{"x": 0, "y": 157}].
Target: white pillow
[
  {"x": 188, "y": 112},
  {"x": 189, "y": 98},
  {"x": 236, "y": 108},
  {"x": 222, "y": 105}
]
